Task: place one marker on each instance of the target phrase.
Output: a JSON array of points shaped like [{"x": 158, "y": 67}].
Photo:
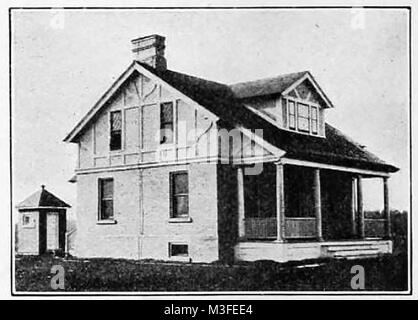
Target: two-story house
[{"x": 171, "y": 166}]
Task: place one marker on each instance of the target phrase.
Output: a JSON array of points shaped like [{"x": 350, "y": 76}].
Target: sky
[{"x": 63, "y": 61}]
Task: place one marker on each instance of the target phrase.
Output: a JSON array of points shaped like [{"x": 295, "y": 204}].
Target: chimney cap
[{"x": 155, "y": 36}]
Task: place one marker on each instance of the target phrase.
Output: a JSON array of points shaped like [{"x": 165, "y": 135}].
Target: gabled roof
[
  {"x": 225, "y": 102},
  {"x": 42, "y": 199},
  {"x": 220, "y": 99},
  {"x": 264, "y": 87},
  {"x": 280, "y": 85}
]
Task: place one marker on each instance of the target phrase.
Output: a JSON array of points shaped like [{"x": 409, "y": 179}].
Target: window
[
  {"x": 292, "y": 115},
  {"x": 178, "y": 250},
  {"x": 27, "y": 221},
  {"x": 303, "y": 117},
  {"x": 179, "y": 195},
  {"x": 105, "y": 199},
  {"x": 166, "y": 123},
  {"x": 314, "y": 120},
  {"x": 115, "y": 130}
]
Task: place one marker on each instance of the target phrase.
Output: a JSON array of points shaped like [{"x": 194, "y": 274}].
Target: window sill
[
  {"x": 180, "y": 220},
  {"x": 106, "y": 222}
]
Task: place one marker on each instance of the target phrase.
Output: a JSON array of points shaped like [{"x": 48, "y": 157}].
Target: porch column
[
  {"x": 386, "y": 207},
  {"x": 353, "y": 208},
  {"x": 280, "y": 203},
  {"x": 317, "y": 199},
  {"x": 360, "y": 211},
  {"x": 241, "y": 206}
]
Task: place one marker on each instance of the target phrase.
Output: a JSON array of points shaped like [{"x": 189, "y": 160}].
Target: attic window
[
  {"x": 115, "y": 130},
  {"x": 166, "y": 123}
]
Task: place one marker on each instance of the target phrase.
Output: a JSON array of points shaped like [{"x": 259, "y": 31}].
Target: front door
[{"x": 52, "y": 222}]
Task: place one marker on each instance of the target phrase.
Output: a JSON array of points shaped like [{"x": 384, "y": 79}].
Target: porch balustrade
[
  {"x": 295, "y": 228},
  {"x": 300, "y": 228},
  {"x": 261, "y": 228}
]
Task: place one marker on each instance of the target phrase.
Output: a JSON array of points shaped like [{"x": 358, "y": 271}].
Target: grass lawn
[{"x": 388, "y": 273}]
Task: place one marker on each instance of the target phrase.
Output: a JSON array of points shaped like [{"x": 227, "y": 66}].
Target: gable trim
[
  {"x": 117, "y": 84},
  {"x": 99, "y": 104},
  {"x": 315, "y": 85}
]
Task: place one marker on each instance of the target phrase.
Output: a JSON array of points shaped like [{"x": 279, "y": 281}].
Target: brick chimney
[{"x": 150, "y": 50}]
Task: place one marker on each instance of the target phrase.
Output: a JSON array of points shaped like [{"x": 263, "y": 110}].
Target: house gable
[{"x": 139, "y": 98}]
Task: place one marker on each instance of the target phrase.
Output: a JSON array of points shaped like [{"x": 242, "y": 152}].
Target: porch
[{"x": 301, "y": 212}]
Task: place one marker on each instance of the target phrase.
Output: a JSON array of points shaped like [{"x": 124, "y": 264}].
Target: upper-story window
[
  {"x": 166, "y": 123},
  {"x": 115, "y": 130},
  {"x": 302, "y": 116}
]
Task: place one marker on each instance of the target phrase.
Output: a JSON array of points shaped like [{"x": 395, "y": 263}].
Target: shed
[{"x": 41, "y": 223}]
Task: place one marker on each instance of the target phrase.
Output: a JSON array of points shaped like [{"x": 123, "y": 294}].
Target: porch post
[
  {"x": 360, "y": 210},
  {"x": 280, "y": 203},
  {"x": 353, "y": 207},
  {"x": 241, "y": 206},
  {"x": 386, "y": 207},
  {"x": 317, "y": 199}
]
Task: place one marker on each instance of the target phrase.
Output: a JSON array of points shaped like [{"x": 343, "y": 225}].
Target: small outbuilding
[{"x": 41, "y": 224}]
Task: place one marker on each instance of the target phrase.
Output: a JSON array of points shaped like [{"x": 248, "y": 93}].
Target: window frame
[
  {"x": 101, "y": 199},
  {"x": 299, "y": 116},
  {"x": 121, "y": 130},
  {"x": 311, "y": 107},
  {"x": 172, "y": 103},
  {"x": 31, "y": 222},
  {"x": 316, "y": 109},
  {"x": 289, "y": 115},
  {"x": 172, "y": 196},
  {"x": 170, "y": 250}
]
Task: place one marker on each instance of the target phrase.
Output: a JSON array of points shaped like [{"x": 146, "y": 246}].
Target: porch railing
[
  {"x": 297, "y": 228},
  {"x": 261, "y": 228},
  {"x": 374, "y": 228},
  {"x": 266, "y": 228}
]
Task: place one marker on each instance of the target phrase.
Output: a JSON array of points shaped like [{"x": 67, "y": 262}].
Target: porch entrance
[{"x": 338, "y": 221}]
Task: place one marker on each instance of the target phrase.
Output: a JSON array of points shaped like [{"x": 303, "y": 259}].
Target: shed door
[{"x": 52, "y": 220}]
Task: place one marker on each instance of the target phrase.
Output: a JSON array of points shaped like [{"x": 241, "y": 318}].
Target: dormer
[{"x": 292, "y": 102}]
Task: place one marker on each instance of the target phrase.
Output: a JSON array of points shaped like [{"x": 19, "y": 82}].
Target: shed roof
[{"x": 42, "y": 199}]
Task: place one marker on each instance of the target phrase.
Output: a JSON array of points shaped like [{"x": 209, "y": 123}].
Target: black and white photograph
[{"x": 211, "y": 151}]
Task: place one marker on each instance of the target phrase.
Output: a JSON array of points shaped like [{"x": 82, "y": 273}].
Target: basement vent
[{"x": 178, "y": 250}]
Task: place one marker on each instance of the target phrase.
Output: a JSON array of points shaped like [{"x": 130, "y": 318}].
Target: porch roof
[{"x": 335, "y": 148}]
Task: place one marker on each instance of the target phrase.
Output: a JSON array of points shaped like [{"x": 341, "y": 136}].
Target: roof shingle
[{"x": 264, "y": 87}]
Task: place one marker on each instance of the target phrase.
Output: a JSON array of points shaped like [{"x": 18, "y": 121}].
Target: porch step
[
  {"x": 336, "y": 248},
  {"x": 352, "y": 251}
]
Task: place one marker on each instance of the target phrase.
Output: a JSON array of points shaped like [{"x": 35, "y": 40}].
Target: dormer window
[{"x": 302, "y": 116}]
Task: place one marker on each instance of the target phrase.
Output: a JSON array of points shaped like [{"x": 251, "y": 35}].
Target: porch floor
[{"x": 297, "y": 250}]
